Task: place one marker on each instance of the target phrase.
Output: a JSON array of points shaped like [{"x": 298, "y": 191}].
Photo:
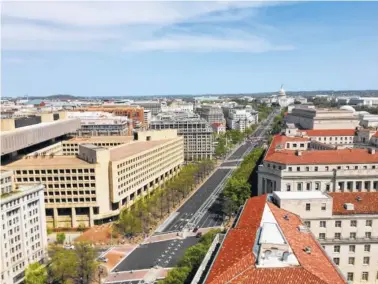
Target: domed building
[{"x": 282, "y": 99}]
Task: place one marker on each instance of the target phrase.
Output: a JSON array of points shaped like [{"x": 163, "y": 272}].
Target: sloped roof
[
  {"x": 367, "y": 203},
  {"x": 235, "y": 262}
]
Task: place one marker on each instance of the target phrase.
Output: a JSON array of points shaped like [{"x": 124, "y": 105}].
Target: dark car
[
  {"x": 195, "y": 229},
  {"x": 199, "y": 234}
]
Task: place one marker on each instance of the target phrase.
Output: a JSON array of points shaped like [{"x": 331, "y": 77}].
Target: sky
[{"x": 94, "y": 48}]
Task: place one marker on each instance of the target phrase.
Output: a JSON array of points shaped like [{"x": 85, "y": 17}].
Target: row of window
[
  {"x": 81, "y": 192},
  {"x": 17, "y": 201},
  {"x": 337, "y": 236},
  {"x": 61, "y": 171},
  {"x": 364, "y": 276},
  {"x": 64, "y": 200},
  {"x": 69, "y": 185},
  {"x": 352, "y": 223},
  {"x": 327, "y": 168}
]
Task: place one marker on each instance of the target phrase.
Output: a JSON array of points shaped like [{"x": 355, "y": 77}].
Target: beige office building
[
  {"x": 94, "y": 180},
  {"x": 345, "y": 224}
]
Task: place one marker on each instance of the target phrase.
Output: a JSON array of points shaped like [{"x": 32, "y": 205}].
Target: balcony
[{"x": 358, "y": 240}]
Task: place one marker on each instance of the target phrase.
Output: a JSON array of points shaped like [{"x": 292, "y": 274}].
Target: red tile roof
[
  {"x": 235, "y": 262},
  {"x": 329, "y": 132},
  {"x": 340, "y": 156},
  {"x": 368, "y": 203},
  {"x": 376, "y": 134},
  {"x": 217, "y": 124}
]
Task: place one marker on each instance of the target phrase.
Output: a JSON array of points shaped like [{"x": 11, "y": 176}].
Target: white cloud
[
  {"x": 206, "y": 44},
  {"x": 128, "y": 26}
]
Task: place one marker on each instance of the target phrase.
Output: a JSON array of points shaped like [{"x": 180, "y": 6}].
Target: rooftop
[
  {"x": 278, "y": 154},
  {"x": 300, "y": 195},
  {"x": 236, "y": 259},
  {"x": 100, "y": 139},
  {"x": 329, "y": 132},
  {"x": 123, "y": 151},
  {"x": 47, "y": 161},
  {"x": 364, "y": 202}
]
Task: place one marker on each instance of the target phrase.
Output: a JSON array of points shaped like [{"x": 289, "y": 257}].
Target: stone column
[
  {"x": 55, "y": 217},
  {"x": 91, "y": 219},
  {"x": 73, "y": 218}
]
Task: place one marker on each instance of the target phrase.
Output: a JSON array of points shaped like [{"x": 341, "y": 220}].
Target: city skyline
[{"x": 161, "y": 48}]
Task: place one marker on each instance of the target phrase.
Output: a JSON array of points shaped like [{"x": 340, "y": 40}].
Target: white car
[
  {"x": 69, "y": 247},
  {"x": 102, "y": 259}
]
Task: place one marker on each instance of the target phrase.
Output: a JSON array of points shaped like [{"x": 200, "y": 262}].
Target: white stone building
[
  {"x": 345, "y": 224},
  {"x": 23, "y": 231},
  {"x": 241, "y": 119},
  {"x": 292, "y": 164}
]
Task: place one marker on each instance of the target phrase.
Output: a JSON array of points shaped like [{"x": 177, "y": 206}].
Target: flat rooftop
[
  {"x": 47, "y": 161},
  {"x": 123, "y": 151},
  {"x": 100, "y": 139},
  {"x": 36, "y": 126},
  {"x": 300, "y": 195}
]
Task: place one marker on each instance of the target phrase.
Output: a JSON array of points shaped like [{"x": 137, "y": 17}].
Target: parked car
[
  {"x": 195, "y": 229},
  {"x": 102, "y": 259},
  {"x": 69, "y": 247},
  {"x": 199, "y": 234}
]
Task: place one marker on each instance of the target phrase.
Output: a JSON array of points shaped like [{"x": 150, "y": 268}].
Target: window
[
  {"x": 351, "y": 260},
  {"x": 328, "y": 187},
  {"x": 307, "y": 169},
  {"x": 290, "y": 169},
  {"x": 338, "y": 224},
  {"x": 308, "y": 206},
  {"x": 307, "y": 224},
  {"x": 298, "y": 169},
  {"x": 365, "y": 276},
  {"x": 350, "y": 276},
  {"x": 366, "y": 260},
  {"x": 336, "y": 248},
  {"x": 368, "y": 235},
  {"x": 324, "y": 206},
  {"x": 317, "y": 185},
  {"x": 336, "y": 260},
  {"x": 321, "y": 236},
  {"x": 288, "y": 187},
  {"x": 322, "y": 224},
  {"x": 366, "y": 247},
  {"x": 352, "y": 248},
  {"x": 337, "y": 236},
  {"x": 316, "y": 169},
  {"x": 353, "y": 223},
  {"x": 352, "y": 235},
  {"x": 300, "y": 186},
  {"x": 369, "y": 223},
  {"x": 308, "y": 186}
]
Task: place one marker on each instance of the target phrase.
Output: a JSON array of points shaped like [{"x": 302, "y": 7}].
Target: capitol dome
[
  {"x": 282, "y": 93},
  {"x": 348, "y": 108}
]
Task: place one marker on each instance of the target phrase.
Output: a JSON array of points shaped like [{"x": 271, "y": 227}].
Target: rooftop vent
[
  {"x": 307, "y": 250},
  {"x": 349, "y": 206},
  {"x": 286, "y": 217},
  {"x": 358, "y": 198},
  {"x": 302, "y": 229},
  {"x": 371, "y": 151}
]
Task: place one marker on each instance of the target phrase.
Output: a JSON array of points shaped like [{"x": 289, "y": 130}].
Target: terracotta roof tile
[
  {"x": 329, "y": 132},
  {"x": 235, "y": 262},
  {"x": 340, "y": 156},
  {"x": 368, "y": 203}
]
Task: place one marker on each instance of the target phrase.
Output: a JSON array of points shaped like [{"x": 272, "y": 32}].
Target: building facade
[
  {"x": 212, "y": 114},
  {"x": 292, "y": 164},
  {"x": 345, "y": 224},
  {"x": 241, "y": 119},
  {"x": 94, "y": 182},
  {"x": 197, "y": 133},
  {"x": 23, "y": 232}
]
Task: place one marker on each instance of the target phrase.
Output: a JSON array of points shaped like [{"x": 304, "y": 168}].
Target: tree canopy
[{"x": 35, "y": 273}]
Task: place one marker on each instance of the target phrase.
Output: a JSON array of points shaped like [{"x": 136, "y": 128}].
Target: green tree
[
  {"x": 35, "y": 273},
  {"x": 60, "y": 238},
  {"x": 176, "y": 276},
  {"x": 86, "y": 262},
  {"x": 63, "y": 265}
]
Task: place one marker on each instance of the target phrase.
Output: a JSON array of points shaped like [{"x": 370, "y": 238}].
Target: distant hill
[{"x": 55, "y": 97}]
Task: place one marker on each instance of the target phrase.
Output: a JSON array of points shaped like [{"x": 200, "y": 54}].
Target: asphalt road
[{"x": 164, "y": 254}]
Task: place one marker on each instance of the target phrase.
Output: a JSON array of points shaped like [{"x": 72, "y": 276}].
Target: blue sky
[{"x": 158, "y": 48}]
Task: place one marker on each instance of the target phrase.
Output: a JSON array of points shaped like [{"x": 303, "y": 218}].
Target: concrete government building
[{"x": 88, "y": 180}]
